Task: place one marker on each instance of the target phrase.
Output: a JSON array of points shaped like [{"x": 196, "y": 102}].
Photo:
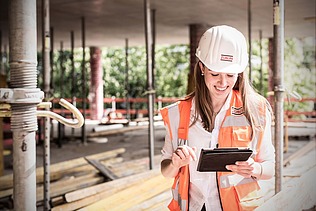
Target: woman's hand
[
  {"x": 183, "y": 155},
  {"x": 247, "y": 169}
]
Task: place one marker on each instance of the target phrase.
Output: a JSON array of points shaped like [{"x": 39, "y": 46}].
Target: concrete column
[
  {"x": 96, "y": 89},
  {"x": 196, "y": 31}
]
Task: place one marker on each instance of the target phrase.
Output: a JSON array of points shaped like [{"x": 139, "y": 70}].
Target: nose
[{"x": 222, "y": 80}]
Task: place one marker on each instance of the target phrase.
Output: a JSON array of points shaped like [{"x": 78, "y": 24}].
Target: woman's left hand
[{"x": 246, "y": 169}]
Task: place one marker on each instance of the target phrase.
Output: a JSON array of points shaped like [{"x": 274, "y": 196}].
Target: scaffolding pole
[
  {"x": 150, "y": 89},
  {"x": 278, "y": 77},
  {"x": 47, "y": 73},
  {"x": 128, "y": 109},
  {"x": 23, "y": 75},
  {"x": 83, "y": 78},
  {"x": 249, "y": 40}
]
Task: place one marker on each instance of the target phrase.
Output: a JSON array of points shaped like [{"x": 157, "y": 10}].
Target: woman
[{"x": 225, "y": 111}]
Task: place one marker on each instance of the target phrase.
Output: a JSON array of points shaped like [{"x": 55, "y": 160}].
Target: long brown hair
[{"x": 203, "y": 102}]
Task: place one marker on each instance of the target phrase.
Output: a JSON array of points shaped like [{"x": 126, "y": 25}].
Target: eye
[
  {"x": 214, "y": 74},
  {"x": 230, "y": 75}
]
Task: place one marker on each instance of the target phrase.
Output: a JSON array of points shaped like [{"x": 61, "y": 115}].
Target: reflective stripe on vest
[{"x": 180, "y": 187}]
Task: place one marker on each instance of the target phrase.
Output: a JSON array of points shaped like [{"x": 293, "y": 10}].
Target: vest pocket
[
  {"x": 242, "y": 135},
  {"x": 249, "y": 195}
]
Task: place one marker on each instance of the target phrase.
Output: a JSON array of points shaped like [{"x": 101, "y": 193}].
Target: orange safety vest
[{"x": 236, "y": 192}]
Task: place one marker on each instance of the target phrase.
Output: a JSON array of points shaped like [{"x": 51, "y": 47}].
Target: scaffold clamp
[{"x": 35, "y": 96}]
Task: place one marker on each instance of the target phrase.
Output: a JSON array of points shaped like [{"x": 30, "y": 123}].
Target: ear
[{"x": 201, "y": 67}]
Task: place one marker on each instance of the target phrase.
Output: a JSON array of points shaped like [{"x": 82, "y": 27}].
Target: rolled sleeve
[{"x": 267, "y": 151}]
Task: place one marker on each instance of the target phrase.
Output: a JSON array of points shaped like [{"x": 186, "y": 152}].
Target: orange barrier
[
  {"x": 109, "y": 103},
  {"x": 310, "y": 115}
]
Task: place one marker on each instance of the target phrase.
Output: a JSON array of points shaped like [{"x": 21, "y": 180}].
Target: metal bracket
[
  {"x": 279, "y": 88},
  {"x": 35, "y": 96},
  {"x": 148, "y": 92},
  {"x": 19, "y": 95},
  {"x": 76, "y": 123}
]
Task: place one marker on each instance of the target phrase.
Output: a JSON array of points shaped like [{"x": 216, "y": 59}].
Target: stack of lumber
[
  {"x": 298, "y": 187},
  {"x": 143, "y": 191},
  {"x": 76, "y": 184}
]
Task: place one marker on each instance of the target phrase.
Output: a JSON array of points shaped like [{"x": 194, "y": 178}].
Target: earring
[{"x": 202, "y": 74}]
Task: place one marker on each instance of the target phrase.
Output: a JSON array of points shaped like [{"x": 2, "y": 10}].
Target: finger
[
  {"x": 192, "y": 153},
  {"x": 239, "y": 169},
  {"x": 185, "y": 151},
  {"x": 250, "y": 162},
  {"x": 180, "y": 153},
  {"x": 189, "y": 152}
]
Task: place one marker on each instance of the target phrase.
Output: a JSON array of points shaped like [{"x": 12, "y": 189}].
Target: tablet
[{"x": 216, "y": 159}]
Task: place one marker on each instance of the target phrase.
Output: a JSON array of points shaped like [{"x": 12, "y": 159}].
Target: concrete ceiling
[{"x": 110, "y": 22}]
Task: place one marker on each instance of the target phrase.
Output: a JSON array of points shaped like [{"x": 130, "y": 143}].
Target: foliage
[
  {"x": 172, "y": 68},
  {"x": 260, "y": 60},
  {"x": 299, "y": 71}
]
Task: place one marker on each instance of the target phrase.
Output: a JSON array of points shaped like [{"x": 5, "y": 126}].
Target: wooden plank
[
  {"x": 299, "y": 194},
  {"x": 295, "y": 169},
  {"x": 86, "y": 196},
  {"x": 102, "y": 169},
  {"x": 133, "y": 166},
  {"x": 159, "y": 202},
  {"x": 129, "y": 197},
  {"x": 56, "y": 169},
  {"x": 61, "y": 187},
  {"x": 308, "y": 147},
  {"x": 122, "y": 182}
]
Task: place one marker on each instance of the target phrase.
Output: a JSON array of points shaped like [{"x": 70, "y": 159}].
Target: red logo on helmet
[{"x": 227, "y": 58}]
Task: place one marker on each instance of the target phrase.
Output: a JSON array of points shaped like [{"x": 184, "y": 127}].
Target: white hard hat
[{"x": 223, "y": 49}]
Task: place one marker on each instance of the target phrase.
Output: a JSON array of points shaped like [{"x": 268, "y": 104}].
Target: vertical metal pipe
[
  {"x": 23, "y": 62},
  {"x": 46, "y": 46},
  {"x": 270, "y": 71},
  {"x": 128, "y": 110},
  {"x": 61, "y": 85},
  {"x": 249, "y": 39},
  {"x": 5, "y": 59},
  {"x": 73, "y": 75},
  {"x": 150, "y": 90},
  {"x": 83, "y": 69},
  {"x": 47, "y": 79},
  {"x": 153, "y": 23},
  {"x": 261, "y": 63},
  {"x": 51, "y": 57},
  {"x": 278, "y": 33}
]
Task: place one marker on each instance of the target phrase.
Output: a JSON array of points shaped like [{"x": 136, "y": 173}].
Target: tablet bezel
[{"x": 211, "y": 160}]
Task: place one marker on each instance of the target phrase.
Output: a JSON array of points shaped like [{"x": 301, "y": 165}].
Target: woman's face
[{"x": 219, "y": 84}]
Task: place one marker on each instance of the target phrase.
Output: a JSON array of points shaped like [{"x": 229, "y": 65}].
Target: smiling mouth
[{"x": 221, "y": 88}]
